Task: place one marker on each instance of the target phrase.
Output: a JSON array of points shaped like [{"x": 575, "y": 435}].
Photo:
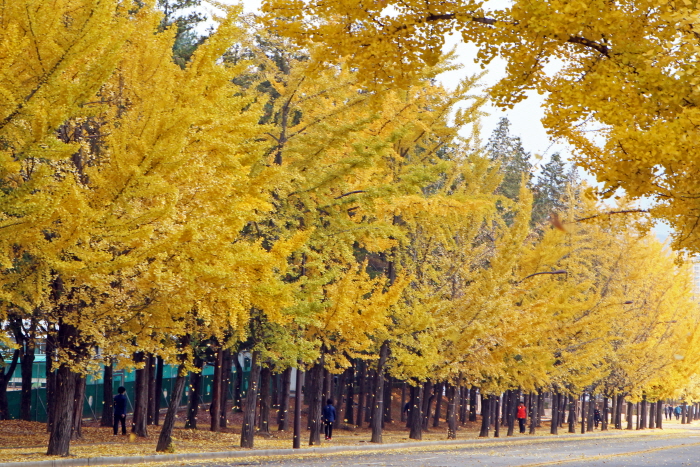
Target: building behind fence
[{"x": 92, "y": 405}]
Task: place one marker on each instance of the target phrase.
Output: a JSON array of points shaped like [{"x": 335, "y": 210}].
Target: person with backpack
[
  {"x": 678, "y": 410},
  {"x": 328, "y": 418}
]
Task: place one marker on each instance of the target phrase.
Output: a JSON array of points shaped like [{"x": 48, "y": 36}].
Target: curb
[{"x": 126, "y": 460}]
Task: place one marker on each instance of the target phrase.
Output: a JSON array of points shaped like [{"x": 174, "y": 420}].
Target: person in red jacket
[{"x": 522, "y": 415}]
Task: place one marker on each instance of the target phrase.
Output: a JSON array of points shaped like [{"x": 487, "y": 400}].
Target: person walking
[
  {"x": 328, "y": 418},
  {"x": 596, "y": 417},
  {"x": 522, "y": 416},
  {"x": 678, "y": 411},
  {"x": 120, "y": 410},
  {"x": 669, "y": 411}
]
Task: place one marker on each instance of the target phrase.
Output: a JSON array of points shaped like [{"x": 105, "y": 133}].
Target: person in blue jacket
[
  {"x": 328, "y": 418},
  {"x": 120, "y": 410}
]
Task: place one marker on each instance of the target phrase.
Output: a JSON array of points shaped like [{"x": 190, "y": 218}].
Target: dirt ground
[{"x": 24, "y": 441}]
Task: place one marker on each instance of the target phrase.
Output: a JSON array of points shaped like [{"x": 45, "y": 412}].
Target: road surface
[{"x": 647, "y": 449}]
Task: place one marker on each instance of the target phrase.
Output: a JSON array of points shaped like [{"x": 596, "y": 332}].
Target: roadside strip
[{"x": 365, "y": 448}]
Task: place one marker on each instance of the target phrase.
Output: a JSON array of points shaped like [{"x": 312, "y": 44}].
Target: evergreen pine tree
[
  {"x": 184, "y": 16},
  {"x": 550, "y": 189},
  {"x": 514, "y": 160}
]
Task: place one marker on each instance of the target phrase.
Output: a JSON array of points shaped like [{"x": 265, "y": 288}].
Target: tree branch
[{"x": 628, "y": 211}]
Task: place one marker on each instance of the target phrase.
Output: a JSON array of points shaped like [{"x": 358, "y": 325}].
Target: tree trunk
[
  {"x": 251, "y": 402},
  {"x": 283, "y": 415},
  {"x": 298, "y": 399},
  {"x": 26, "y": 363},
  {"x": 416, "y": 415},
  {"x": 276, "y": 385},
  {"x": 327, "y": 386},
  {"x": 684, "y": 414},
  {"x": 630, "y": 406},
  {"x": 361, "y": 394},
  {"x": 79, "y": 397},
  {"x": 350, "y": 396},
  {"x": 659, "y": 415},
  {"x": 428, "y": 397},
  {"x": 315, "y": 403},
  {"x": 225, "y": 387},
  {"x": 485, "y": 416},
  {"x": 195, "y": 391},
  {"x": 378, "y": 415},
  {"x": 572, "y": 414},
  {"x": 265, "y": 399},
  {"x": 215, "y": 406},
  {"x": 151, "y": 366},
  {"x": 388, "y": 398},
  {"x": 5, "y": 378},
  {"x": 652, "y": 415},
  {"x": 50, "y": 384},
  {"x": 591, "y": 412},
  {"x": 141, "y": 398},
  {"x": 643, "y": 414},
  {"x": 338, "y": 398},
  {"x": 370, "y": 382},
  {"x": 63, "y": 409},
  {"x": 618, "y": 413},
  {"x": 438, "y": 403},
  {"x": 497, "y": 419},
  {"x": 554, "y": 428},
  {"x": 165, "y": 438},
  {"x": 238, "y": 385},
  {"x": 583, "y": 413},
  {"x": 452, "y": 393},
  {"x": 158, "y": 390},
  {"x": 512, "y": 410},
  {"x": 540, "y": 408},
  {"x": 403, "y": 402},
  {"x": 473, "y": 401},
  {"x": 604, "y": 421},
  {"x": 534, "y": 409}
]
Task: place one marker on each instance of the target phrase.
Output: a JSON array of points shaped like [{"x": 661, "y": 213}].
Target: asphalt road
[{"x": 644, "y": 450}]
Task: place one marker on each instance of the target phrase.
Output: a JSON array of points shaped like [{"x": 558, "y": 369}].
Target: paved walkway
[{"x": 634, "y": 449}]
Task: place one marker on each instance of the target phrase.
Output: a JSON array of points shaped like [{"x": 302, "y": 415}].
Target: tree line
[{"x": 171, "y": 198}]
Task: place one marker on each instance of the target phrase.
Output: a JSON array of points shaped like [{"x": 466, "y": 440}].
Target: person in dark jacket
[
  {"x": 120, "y": 410},
  {"x": 596, "y": 417},
  {"x": 328, "y": 418}
]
